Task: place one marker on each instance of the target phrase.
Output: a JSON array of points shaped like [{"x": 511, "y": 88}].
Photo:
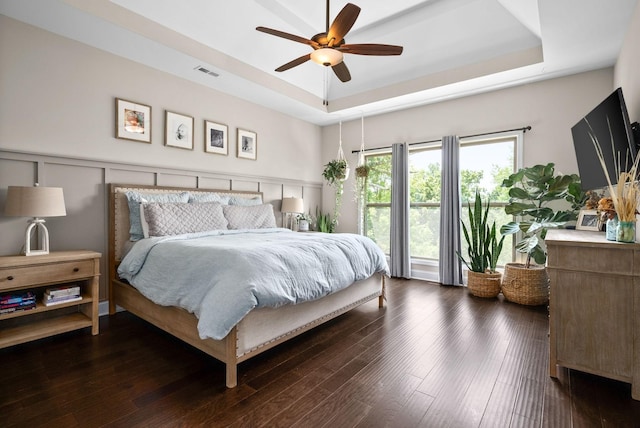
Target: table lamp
[
  {"x": 291, "y": 206},
  {"x": 36, "y": 202}
]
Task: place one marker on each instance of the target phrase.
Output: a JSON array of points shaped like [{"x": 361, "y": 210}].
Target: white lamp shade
[
  {"x": 292, "y": 205},
  {"x": 326, "y": 56},
  {"x": 35, "y": 202}
]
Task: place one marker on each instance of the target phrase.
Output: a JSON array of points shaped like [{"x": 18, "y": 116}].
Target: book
[
  {"x": 9, "y": 298},
  {"x": 17, "y": 308},
  {"x": 60, "y": 301},
  {"x": 63, "y": 291},
  {"x": 48, "y": 298}
]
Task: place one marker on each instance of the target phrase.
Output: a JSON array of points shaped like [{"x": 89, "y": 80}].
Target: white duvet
[{"x": 221, "y": 275}]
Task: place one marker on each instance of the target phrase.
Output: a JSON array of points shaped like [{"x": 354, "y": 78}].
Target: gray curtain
[
  {"x": 400, "y": 257},
  {"x": 450, "y": 265}
]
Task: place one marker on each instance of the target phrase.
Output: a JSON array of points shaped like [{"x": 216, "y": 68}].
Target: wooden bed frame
[{"x": 261, "y": 329}]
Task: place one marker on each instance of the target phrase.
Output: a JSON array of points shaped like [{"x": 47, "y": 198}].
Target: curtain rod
[{"x": 524, "y": 128}]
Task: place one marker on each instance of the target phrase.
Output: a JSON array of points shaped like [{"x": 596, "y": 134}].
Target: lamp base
[{"x": 35, "y": 224}]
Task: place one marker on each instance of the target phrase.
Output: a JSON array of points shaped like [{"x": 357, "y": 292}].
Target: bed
[{"x": 261, "y": 328}]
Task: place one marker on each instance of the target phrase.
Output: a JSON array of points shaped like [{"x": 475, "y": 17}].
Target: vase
[
  {"x": 626, "y": 231},
  {"x": 611, "y": 228},
  {"x": 303, "y": 225}
]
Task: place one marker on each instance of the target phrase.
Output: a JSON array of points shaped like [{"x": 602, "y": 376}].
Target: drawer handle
[
  {"x": 10, "y": 278},
  {"x": 76, "y": 269}
]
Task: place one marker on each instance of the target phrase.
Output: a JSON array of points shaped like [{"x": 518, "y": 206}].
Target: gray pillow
[
  {"x": 249, "y": 217},
  {"x": 209, "y": 197},
  {"x": 178, "y": 218},
  {"x": 239, "y": 200},
  {"x": 135, "y": 198}
]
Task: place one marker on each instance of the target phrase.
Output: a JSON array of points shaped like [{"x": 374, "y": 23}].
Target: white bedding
[{"x": 221, "y": 275}]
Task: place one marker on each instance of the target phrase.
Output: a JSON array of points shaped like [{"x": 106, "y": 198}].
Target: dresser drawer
[{"x": 45, "y": 274}]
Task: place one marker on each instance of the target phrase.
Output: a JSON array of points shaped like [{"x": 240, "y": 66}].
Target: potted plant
[
  {"x": 304, "y": 220},
  {"x": 335, "y": 172},
  {"x": 324, "y": 222},
  {"x": 484, "y": 249},
  {"x": 531, "y": 191}
]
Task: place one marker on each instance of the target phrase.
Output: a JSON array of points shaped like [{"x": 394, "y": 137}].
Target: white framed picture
[
  {"x": 133, "y": 121},
  {"x": 216, "y": 138},
  {"x": 588, "y": 220},
  {"x": 247, "y": 144},
  {"x": 178, "y": 131}
]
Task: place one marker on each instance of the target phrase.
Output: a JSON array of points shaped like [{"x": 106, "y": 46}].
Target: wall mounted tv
[{"x": 617, "y": 126}]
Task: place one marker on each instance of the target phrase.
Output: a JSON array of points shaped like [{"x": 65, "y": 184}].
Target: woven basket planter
[
  {"x": 484, "y": 284},
  {"x": 525, "y": 286}
]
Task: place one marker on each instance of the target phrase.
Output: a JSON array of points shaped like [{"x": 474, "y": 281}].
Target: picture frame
[
  {"x": 216, "y": 139},
  {"x": 133, "y": 121},
  {"x": 247, "y": 143},
  {"x": 178, "y": 130},
  {"x": 589, "y": 220}
]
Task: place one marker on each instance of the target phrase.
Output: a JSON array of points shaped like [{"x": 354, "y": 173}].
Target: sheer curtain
[
  {"x": 400, "y": 256},
  {"x": 450, "y": 266}
]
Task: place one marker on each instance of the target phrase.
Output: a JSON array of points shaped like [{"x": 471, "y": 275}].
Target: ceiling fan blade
[
  {"x": 342, "y": 24},
  {"x": 297, "y": 61},
  {"x": 342, "y": 71},
  {"x": 370, "y": 49},
  {"x": 288, "y": 36}
]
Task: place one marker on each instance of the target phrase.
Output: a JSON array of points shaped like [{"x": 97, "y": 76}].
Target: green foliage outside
[{"x": 425, "y": 201}]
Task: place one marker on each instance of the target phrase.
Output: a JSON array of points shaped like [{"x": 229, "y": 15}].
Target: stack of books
[
  {"x": 63, "y": 294},
  {"x": 12, "y": 302}
]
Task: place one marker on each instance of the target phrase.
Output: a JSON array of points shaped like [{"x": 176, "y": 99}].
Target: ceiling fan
[{"x": 329, "y": 46}]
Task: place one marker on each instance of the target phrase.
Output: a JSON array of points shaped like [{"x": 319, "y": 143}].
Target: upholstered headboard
[{"x": 119, "y": 214}]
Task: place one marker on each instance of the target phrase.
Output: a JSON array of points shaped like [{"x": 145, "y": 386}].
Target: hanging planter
[
  {"x": 336, "y": 172},
  {"x": 362, "y": 171}
]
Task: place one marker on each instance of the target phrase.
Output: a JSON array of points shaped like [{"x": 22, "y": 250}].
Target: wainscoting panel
[
  {"x": 177, "y": 180},
  {"x": 85, "y": 189}
]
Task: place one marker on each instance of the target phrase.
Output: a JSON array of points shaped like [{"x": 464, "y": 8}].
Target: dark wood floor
[{"x": 434, "y": 357}]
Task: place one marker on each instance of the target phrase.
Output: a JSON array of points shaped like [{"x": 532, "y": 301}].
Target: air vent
[{"x": 206, "y": 71}]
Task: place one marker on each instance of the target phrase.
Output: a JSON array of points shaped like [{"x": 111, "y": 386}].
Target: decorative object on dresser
[
  {"x": 216, "y": 138},
  {"x": 531, "y": 190},
  {"x": 178, "y": 130},
  {"x": 588, "y": 220},
  {"x": 594, "y": 320},
  {"x": 133, "y": 121},
  {"x": 291, "y": 206},
  {"x": 483, "y": 249},
  {"x": 247, "y": 142},
  {"x": 34, "y": 280},
  {"x": 35, "y": 202}
]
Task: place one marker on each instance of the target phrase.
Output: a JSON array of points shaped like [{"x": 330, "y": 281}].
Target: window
[{"x": 484, "y": 163}]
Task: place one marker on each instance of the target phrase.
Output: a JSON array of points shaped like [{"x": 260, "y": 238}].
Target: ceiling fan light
[{"x": 326, "y": 56}]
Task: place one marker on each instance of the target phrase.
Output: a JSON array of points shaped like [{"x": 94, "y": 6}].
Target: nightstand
[{"x": 36, "y": 274}]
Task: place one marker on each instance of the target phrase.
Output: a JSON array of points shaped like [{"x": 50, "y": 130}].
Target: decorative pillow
[
  {"x": 177, "y": 218},
  {"x": 135, "y": 198},
  {"x": 239, "y": 200},
  {"x": 209, "y": 197},
  {"x": 249, "y": 217}
]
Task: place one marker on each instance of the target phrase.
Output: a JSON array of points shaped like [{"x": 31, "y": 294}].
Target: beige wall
[
  {"x": 58, "y": 98},
  {"x": 627, "y": 69}
]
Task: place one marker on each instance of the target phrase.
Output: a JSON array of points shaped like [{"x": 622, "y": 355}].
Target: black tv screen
[{"x": 609, "y": 123}]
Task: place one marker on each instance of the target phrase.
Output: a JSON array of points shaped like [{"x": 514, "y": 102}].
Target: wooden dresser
[{"x": 594, "y": 305}]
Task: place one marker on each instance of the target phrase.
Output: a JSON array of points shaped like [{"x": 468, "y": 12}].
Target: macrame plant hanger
[{"x": 340, "y": 155}]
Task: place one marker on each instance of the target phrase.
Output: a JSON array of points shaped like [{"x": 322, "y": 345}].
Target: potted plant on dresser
[
  {"x": 531, "y": 191},
  {"x": 484, "y": 248}
]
